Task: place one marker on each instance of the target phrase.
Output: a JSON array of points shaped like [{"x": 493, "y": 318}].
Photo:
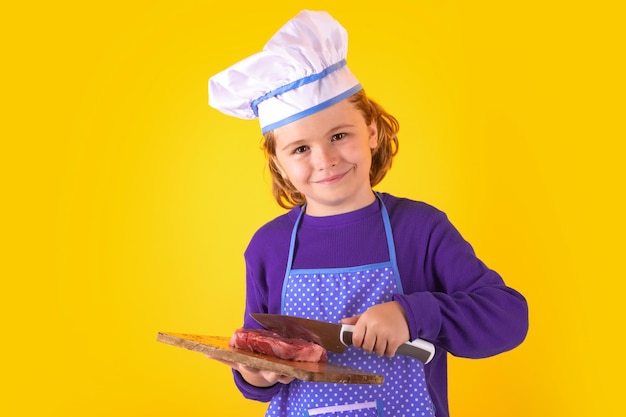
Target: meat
[{"x": 272, "y": 344}]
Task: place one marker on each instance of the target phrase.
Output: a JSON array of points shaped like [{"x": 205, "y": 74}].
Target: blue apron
[{"x": 329, "y": 295}]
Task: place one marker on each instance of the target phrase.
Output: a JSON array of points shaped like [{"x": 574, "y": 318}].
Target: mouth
[{"x": 331, "y": 179}]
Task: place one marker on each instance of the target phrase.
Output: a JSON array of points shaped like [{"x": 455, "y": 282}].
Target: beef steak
[{"x": 272, "y": 344}]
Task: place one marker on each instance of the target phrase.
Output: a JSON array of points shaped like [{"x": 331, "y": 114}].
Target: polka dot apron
[{"x": 330, "y": 295}]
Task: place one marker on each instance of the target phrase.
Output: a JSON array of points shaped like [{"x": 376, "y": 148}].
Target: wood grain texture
[{"x": 217, "y": 347}]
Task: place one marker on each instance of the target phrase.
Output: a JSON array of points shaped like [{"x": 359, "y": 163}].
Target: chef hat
[{"x": 301, "y": 70}]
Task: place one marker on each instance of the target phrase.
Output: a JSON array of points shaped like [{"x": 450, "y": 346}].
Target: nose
[{"x": 324, "y": 157}]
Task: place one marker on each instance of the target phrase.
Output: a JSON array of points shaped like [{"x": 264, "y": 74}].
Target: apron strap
[
  {"x": 390, "y": 243},
  {"x": 292, "y": 245}
]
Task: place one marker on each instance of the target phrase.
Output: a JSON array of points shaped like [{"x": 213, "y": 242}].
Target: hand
[
  {"x": 381, "y": 329},
  {"x": 254, "y": 376}
]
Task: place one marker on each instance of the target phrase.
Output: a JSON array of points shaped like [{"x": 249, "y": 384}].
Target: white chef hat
[{"x": 301, "y": 70}]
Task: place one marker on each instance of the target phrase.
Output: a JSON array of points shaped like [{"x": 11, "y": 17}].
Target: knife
[{"x": 333, "y": 337}]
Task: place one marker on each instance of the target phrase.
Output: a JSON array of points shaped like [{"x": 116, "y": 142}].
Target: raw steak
[{"x": 273, "y": 344}]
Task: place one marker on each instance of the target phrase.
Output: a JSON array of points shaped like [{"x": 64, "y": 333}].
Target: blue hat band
[{"x": 298, "y": 83}]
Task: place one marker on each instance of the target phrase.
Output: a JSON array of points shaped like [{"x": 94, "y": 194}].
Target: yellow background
[{"x": 127, "y": 201}]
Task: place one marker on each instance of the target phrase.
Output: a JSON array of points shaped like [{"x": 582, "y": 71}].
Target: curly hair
[{"x": 288, "y": 196}]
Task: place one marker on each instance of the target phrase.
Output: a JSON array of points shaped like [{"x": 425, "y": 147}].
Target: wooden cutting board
[{"x": 217, "y": 347}]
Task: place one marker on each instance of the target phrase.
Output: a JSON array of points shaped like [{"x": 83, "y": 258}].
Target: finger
[
  {"x": 285, "y": 379},
  {"x": 358, "y": 337},
  {"x": 369, "y": 343},
  {"x": 381, "y": 347},
  {"x": 390, "y": 351},
  {"x": 273, "y": 377}
]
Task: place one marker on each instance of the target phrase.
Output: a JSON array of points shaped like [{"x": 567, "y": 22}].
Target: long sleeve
[
  {"x": 256, "y": 301},
  {"x": 255, "y": 393},
  {"x": 464, "y": 308},
  {"x": 266, "y": 260}
]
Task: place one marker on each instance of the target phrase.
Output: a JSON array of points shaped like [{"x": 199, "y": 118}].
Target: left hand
[
  {"x": 254, "y": 376},
  {"x": 381, "y": 329}
]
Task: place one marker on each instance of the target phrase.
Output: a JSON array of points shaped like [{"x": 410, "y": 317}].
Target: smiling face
[{"x": 327, "y": 157}]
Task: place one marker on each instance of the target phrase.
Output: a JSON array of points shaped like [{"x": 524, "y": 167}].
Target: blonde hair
[{"x": 288, "y": 196}]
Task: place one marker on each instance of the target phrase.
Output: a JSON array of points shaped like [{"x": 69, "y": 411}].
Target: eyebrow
[
  {"x": 339, "y": 126},
  {"x": 294, "y": 144}
]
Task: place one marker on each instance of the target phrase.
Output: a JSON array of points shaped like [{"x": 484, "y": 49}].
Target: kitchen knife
[{"x": 333, "y": 337}]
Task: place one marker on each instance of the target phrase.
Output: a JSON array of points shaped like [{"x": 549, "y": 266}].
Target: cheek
[
  {"x": 362, "y": 155},
  {"x": 293, "y": 171},
  {"x": 298, "y": 173}
]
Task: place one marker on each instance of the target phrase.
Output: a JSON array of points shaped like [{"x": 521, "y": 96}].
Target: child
[{"x": 395, "y": 268}]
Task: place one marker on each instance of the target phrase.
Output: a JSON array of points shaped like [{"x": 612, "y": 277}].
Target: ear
[{"x": 372, "y": 130}]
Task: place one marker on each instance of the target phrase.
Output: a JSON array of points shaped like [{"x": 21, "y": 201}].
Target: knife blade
[{"x": 333, "y": 337}]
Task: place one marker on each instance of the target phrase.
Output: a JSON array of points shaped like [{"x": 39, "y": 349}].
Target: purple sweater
[{"x": 451, "y": 298}]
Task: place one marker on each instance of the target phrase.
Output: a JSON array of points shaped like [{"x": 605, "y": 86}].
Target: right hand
[
  {"x": 255, "y": 376},
  {"x": 381, "y": 329}
]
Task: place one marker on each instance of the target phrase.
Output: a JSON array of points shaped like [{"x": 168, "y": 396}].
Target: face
[{"x": 327, "y": 157}]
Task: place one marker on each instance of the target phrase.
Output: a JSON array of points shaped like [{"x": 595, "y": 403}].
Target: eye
[
  {"x": 300, "y": 149},
  {"x": 338, "y": 136}
]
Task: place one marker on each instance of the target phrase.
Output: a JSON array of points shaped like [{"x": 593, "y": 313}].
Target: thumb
[{"x": 350, "y": 320}]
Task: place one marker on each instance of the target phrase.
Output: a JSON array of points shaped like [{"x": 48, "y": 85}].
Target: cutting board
[{"x": 217, "y": 347}]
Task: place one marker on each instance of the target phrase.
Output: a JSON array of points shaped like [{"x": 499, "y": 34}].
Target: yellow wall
[{"x": 127, "y": 201}]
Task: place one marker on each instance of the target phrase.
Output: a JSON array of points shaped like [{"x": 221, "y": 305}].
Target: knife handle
[{"x": 419, "y": 348}]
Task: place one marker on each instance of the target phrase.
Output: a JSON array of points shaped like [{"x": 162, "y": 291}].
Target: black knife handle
[
  {"x": 346, "y": 336},
  {"x": 419, "y": 349}
]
